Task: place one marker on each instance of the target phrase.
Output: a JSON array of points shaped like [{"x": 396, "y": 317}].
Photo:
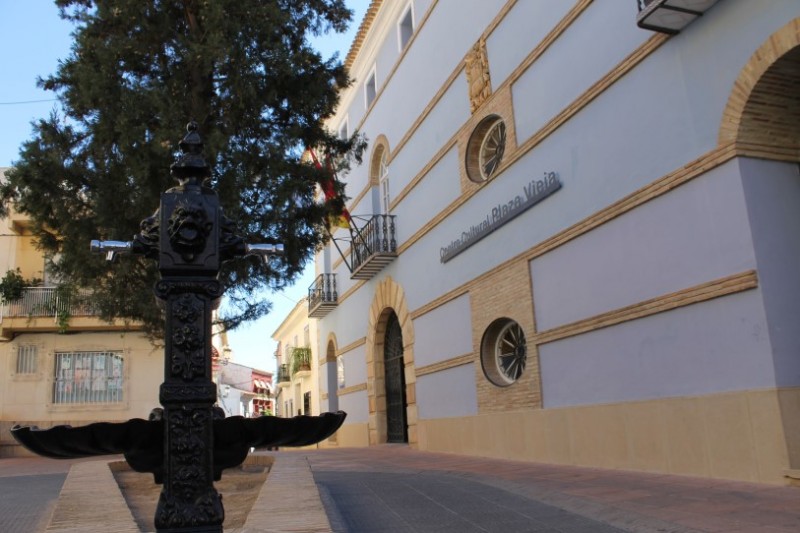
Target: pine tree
[{"x": 138, "y": 71}]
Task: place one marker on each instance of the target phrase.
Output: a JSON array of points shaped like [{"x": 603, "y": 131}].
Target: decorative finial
[{"x": 191, "y": 165}]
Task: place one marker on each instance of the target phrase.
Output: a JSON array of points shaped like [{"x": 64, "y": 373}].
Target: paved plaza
[{"x": 393, "y": 489}]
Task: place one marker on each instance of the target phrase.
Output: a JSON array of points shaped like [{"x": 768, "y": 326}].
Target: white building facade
[
  {"x": 296, "y": 389},
  {"x": 574, "y": 239}
]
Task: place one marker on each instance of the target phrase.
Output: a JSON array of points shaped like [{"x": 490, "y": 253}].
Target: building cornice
[{"x": 361, "y": 35}]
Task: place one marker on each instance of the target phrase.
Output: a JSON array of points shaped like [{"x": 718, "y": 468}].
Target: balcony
[
  {"x": 322, "y": 296},
  {"x": 48, "y": 309},
  {"x": 373, "y": 247},
  {"x": 284, "y": 376},
  {"x": 670, "y": 16}
]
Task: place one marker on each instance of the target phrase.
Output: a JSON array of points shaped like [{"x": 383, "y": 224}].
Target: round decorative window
[
  {"x": 485, "y": 148},
  {"x": 503, "y": 352}
]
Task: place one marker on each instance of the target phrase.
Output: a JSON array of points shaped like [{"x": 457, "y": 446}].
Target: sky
[{"x": 33, "y": 38}]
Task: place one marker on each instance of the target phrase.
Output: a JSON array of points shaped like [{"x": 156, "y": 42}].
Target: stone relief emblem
[{"x": 478, "y": 80}]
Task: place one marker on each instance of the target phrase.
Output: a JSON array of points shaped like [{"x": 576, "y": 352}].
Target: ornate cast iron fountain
[{"x": 188, "y": 443}]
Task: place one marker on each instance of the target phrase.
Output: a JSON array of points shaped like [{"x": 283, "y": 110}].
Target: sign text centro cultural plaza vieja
[{"x": 533, "y": 193}]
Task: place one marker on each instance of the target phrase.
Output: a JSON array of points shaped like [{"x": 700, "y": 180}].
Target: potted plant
[
  {"x": 301, "y": 359},
  {"x": 12, "y": 285}
]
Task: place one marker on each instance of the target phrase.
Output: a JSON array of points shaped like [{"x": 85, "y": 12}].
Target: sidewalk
[
  {"x": 392, "y": 488},
  {"x": 29, "y": 489},
  {"x": 629, "y": 501}
]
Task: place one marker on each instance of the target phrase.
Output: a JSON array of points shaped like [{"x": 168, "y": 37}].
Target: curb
[{"x": 91, "y": 501}]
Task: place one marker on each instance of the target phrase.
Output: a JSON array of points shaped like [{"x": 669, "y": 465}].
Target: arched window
[
  {"x": 383, "y": 181},
  {"x": 379, "y": 177}
]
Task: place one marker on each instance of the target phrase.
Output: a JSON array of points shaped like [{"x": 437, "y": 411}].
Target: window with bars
[
  {"x": 27, "y": 359},
  {"x": 88, "y": 377}
]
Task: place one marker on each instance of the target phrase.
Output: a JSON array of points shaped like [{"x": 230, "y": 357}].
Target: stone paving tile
[
  {"x": 585, "y": 499},
  {"x": 90, "y": 501},
  {"x": 633, "y": 501},
  {"x": 433, "y": 502},
  {"x": 27, "y": 501}
]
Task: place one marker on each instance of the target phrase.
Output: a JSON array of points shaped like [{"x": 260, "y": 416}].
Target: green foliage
[
  {"x": 301, "y": 359},
  {"x": 138, "y": 71},
  {"x": 65, "y": 297},
  {"x": 11, "y": 286}
]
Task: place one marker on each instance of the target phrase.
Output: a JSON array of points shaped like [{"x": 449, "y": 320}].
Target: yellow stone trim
[
  {"x": 443, "y": 299},
  {"x": 352, "y": 346},
  {"x": 328, "y": 358},
  {"x": 571, "y": 16},
  {"x": 501, "y": 92},
  {"x": 604, "y": 83},
  {"x": 692, "y": 295},
  {"x": 590, "y": 94},
  {"x": 669, "y": 181},
  {"x": 389, "y": 76},
  {"x": 447, "y": 364},
  {"x": 379, "y": 146},
  {"x": 761, "y": 151},
  {"x": 666, "y": 183},
  {"x": 780, "y": 42},
  {"x": 346, "y": 294},
  {"x": 351, "y": 389},
  {"x": 698, "y": 167},
  {"x": 559, "y": 28}
]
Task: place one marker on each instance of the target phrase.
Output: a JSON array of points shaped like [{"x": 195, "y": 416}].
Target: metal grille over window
[
  {"x": 26, "y": 359},
  {"x": 504, "y": 352},
  {"x": 88, "y": 377},
  {"x": 486, "y": 148}
]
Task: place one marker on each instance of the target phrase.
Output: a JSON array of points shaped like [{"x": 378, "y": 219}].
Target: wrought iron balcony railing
[
  {"x": 374, "y": 246},
  {"x": 48, "y": 302},
  {"x": 284, "y": 376},
  {"x": 322, "y": 296}
]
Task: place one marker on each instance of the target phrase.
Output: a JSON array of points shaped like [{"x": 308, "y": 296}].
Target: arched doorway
[
  {"x": 394, "y": 374},
  {"x": 762, "y": 120},
  {"x": 390, "y": 302},
  {"x": 763, "y": 111}
]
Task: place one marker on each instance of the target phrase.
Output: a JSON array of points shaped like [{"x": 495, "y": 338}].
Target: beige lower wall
[
  {"x": 28, "y": 398},
  {"x": 742, "y": 435},
  {"x": 352, "y": 436}
]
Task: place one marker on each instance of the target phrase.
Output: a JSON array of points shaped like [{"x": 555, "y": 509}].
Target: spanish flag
[{"x": 342, "y": 220}]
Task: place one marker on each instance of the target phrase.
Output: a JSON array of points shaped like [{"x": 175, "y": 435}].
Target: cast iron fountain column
[
  {"x": 188, "y": 443},
  {"x": 189, "y": 261}
]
